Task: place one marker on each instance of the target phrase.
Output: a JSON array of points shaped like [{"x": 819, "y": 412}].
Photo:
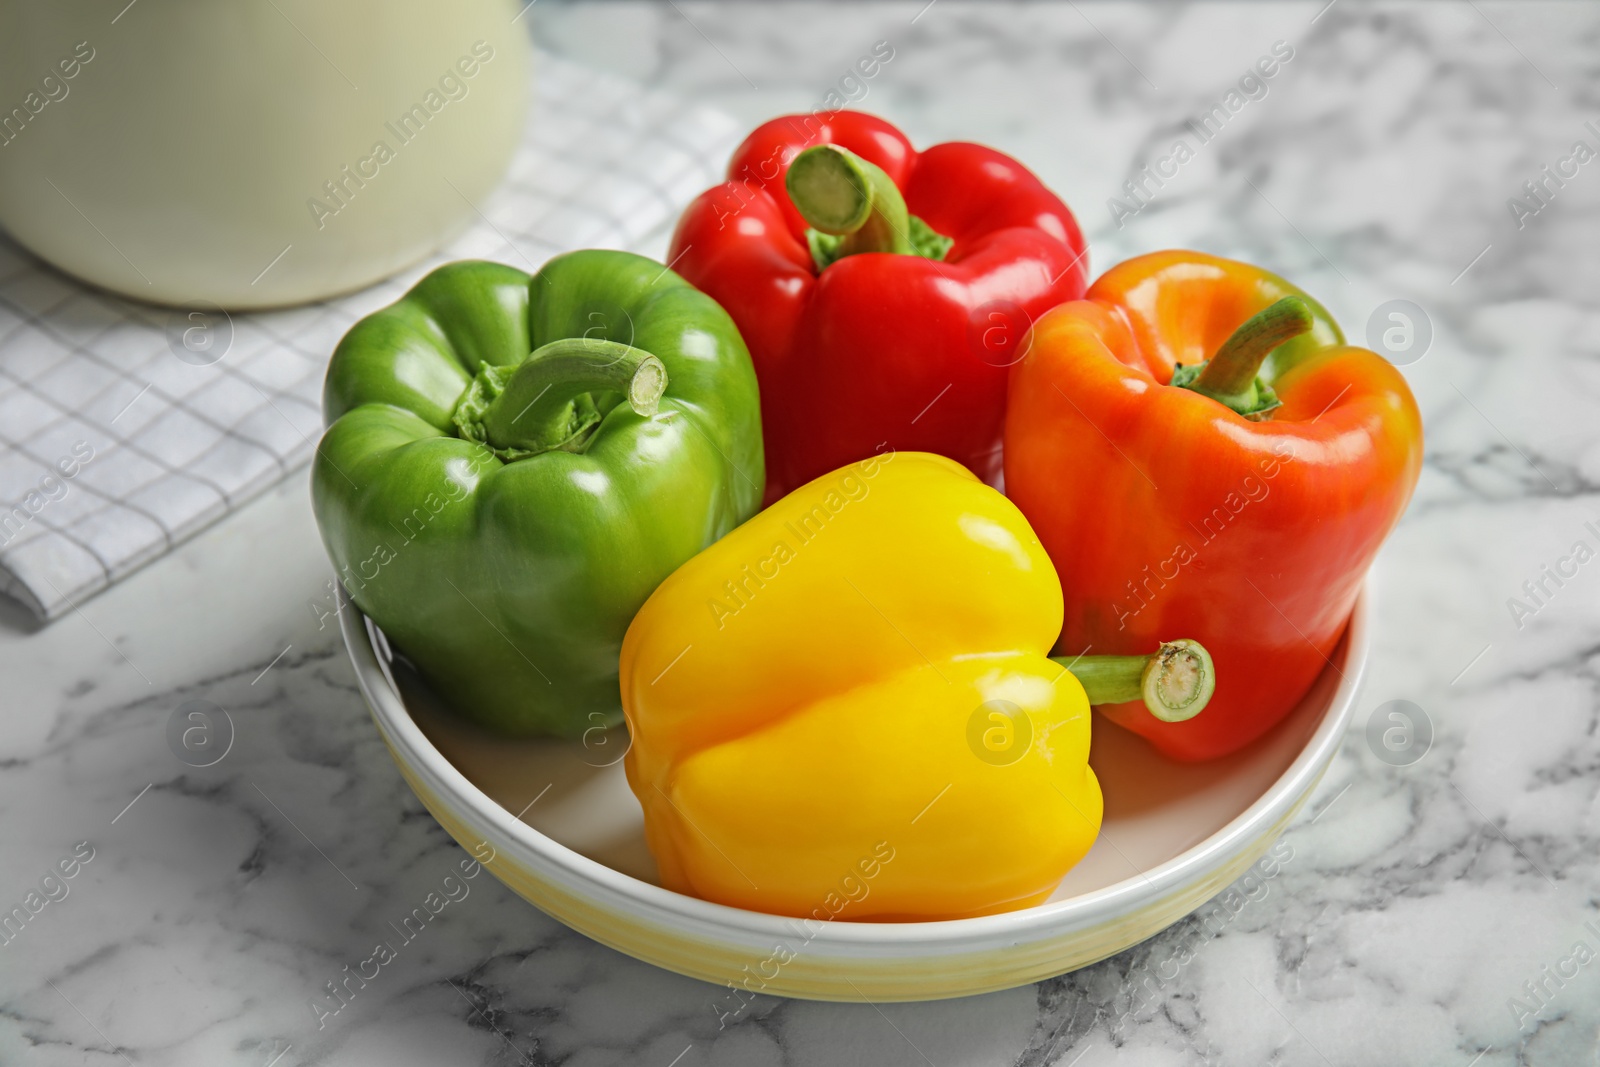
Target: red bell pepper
[
  {"x": 884, "y": 309},
  {"x": 1200, "y": 453}
]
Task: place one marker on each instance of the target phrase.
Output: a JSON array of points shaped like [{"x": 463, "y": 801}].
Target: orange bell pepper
[{"x": 1252, "y": 460}]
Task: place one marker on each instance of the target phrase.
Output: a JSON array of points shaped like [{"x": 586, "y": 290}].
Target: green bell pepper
[{"x": 513, "y": 464}]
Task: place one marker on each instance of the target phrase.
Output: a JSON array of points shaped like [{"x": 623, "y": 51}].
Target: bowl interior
[{"x": 1155, "y": 809}]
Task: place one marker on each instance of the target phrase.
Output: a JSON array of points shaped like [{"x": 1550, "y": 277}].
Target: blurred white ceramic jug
[{"x": 252, "y": 153}]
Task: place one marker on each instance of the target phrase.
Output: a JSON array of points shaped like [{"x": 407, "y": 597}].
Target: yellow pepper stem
[{"x": 1175, "y": 683}]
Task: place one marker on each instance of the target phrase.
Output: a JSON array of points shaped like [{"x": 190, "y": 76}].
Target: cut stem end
[
  {"x": 1175, "y": 683},
  {"x": 852, "y": 205},
  {"x": 1178, "y": 681},
  {"x": 547, "y": 402},
  {"x": 831, "y": 188},
  {"x": 647, "y": 387}
]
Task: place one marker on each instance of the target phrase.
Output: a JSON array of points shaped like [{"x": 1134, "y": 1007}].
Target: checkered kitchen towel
[{"x": 117, "y": 440}]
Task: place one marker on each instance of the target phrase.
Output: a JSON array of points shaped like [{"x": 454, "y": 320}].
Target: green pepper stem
[
  {"x": 544, "y": 403},
  {"x": 1230, "y": 376},
  {"x": 1175, "y": 683},
  {"x": 839, "y": 193}
]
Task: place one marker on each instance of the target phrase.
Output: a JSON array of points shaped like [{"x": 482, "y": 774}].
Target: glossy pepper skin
[
  {"x": 800, "y": 697},
  {"x": 1252, "y": 536},
  {"x": 881, "y": 349},
  {"x": 509, "y": 578}
]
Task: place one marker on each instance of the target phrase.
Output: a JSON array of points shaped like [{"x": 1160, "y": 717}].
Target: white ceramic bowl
[{"x": 567, "y": 835}]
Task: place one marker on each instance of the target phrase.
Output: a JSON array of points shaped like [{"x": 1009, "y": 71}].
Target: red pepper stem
[
  {"x": 544, "y": 402},
  {"x": 1175, "y": 683},
  {"x": 839, "y": 193},
  {"x": 1230, "y": 376}
]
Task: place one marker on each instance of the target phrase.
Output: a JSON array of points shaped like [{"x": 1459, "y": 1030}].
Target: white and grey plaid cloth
[{"x": 119, "y": 437}]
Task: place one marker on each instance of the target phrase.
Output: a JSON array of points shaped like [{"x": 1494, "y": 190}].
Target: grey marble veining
[{"x": 1416, "y": 906}]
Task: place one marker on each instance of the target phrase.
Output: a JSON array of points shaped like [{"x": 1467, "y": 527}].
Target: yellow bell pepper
[{"x": 844, "y": 708}]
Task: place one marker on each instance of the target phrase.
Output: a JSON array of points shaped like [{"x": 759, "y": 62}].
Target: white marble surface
[{"x": 1419, "y": 898}]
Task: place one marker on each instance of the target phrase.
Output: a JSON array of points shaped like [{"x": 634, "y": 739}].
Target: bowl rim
[{"x": 668, "y": 907}]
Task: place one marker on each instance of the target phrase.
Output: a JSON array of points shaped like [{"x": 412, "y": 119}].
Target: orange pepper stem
[
  {"x": 1231, "y": 377},
  {"x": 1175, "y": 682}
]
